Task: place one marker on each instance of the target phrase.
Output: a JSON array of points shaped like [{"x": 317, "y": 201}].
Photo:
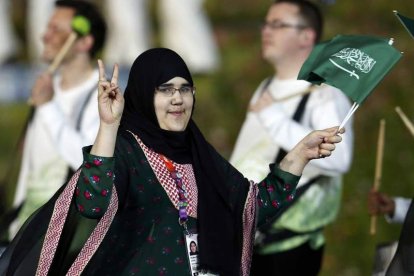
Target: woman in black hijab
[{"x": 151, "y": 180}]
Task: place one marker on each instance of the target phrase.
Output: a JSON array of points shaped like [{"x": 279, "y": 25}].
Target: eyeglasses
[
  {"x": 170, "y": 90},
  {"x": 274, "y": 25}
]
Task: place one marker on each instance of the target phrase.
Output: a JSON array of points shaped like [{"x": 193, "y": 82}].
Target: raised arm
[
  {"x": 317, "y": 144},
  {"x": 111, "y": 105}
]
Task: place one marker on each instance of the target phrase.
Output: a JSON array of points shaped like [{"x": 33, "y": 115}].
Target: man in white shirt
[
  {"x": 281, "y": 112},
  {"x": 65, "y": 114}
]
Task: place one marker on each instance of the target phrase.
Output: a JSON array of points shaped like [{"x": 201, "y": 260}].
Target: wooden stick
[
  {"x": 378, "y": 170},
  {"x": 405, "y": 119},
  {"x": 62, "y": 52}
]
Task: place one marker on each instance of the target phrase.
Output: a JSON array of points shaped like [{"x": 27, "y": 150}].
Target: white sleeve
[
  {"x": 401, "y": 209},
  {"x": 324, "y": 111},
  {"x": 70, "y": 141}
]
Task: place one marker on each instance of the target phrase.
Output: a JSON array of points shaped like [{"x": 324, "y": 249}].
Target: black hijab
[{"x": 219, "y": 223}]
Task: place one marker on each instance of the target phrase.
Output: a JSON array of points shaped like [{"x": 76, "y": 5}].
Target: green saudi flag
[
  {"x": 353, "y": 63},
  {"x": 408, "y": 23}
]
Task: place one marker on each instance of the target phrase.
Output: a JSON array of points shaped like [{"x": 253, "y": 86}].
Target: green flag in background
[
  {"x": 408, "y": 23},
  {"x": 353, "y": 63}
]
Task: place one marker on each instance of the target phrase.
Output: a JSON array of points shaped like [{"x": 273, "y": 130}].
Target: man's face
[
  {"x": 281, "y": 32},
  {"x": 57, "y": 31}
]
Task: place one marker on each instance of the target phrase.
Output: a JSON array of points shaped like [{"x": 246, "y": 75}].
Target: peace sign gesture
[{"x": 110, "y": 99}]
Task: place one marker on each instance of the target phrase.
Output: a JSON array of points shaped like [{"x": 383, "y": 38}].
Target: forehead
[
  {"x": 62, "y": 15},
  {"x": 283, "y": 11}
]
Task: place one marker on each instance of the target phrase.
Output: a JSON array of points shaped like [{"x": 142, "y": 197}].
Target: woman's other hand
[{"x": 317, "y": 144}]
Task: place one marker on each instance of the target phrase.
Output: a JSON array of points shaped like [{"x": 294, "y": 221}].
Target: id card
[{"x": 191, "y": 244}]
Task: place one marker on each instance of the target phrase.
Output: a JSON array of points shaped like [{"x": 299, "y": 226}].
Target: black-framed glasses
[
  {"x": 170, "y": 90},
  {"x": 276, "y": 24}
]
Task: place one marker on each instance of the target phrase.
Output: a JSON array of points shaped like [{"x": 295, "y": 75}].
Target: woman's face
[
  {"x": 173, "y": 111},
  {"x": 193, "y": 247}
]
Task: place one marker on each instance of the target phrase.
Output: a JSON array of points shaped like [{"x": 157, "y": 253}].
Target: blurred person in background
[
  {"x": 294, "y": 243},
  {"x": 38, "y": 14},
  {"x": 396, "y": 210},
  {"x": 65, "y": 116},
  {"x": 184, "y": 28},
  {"x": 393, "y": 208},
  {"x": 9, "y": 43}
]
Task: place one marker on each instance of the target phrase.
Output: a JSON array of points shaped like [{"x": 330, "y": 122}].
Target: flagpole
[
  {"x": 348, "y": 116},
  {"x": 406, "y": 22},
  {"x": 405, "y": 119},
  {"x": 378, "y": 170}
]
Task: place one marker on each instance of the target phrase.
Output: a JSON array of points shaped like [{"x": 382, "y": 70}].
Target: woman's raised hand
[{"x": 110, "y": 98}]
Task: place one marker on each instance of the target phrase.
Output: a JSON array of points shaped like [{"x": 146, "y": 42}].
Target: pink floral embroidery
[
  {"x": 104, "y": 192},
  {"x": 97, "y": 161},
  {"x": 81, "y": 208},
  {"x": 180, "y": 241},
  {"x": 150, "y": 261},
  {"x": 166, "y": 250},
  {"x": 95, "y": 179},
  {"x": 270, "y": 189},
  {"x": 179, "y": 260},
  {"x": 162, "y": 271},
  {"x": 286, "y": 187},
  {"x": 87, "y": 195},
  {"x": 167, "y": 230}
]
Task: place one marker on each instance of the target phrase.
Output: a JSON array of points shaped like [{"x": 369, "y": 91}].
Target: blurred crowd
[{"x": 183, "y": 26}]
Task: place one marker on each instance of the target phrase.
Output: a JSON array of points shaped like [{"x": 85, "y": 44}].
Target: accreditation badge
[{"x": 191, "y": 244}]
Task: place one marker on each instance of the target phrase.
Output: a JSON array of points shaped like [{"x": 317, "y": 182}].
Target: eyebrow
[
  {"x": 277, "y": 20},
  {"x": 171, "y": 84}
]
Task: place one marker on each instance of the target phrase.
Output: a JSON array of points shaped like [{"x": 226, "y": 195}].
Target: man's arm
[
  {"x": 324, "y": 109},
  {"x": 69, "y": 140}
]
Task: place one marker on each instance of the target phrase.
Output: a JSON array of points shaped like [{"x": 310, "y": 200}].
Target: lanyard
[{"x": 182, "y": 199}]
